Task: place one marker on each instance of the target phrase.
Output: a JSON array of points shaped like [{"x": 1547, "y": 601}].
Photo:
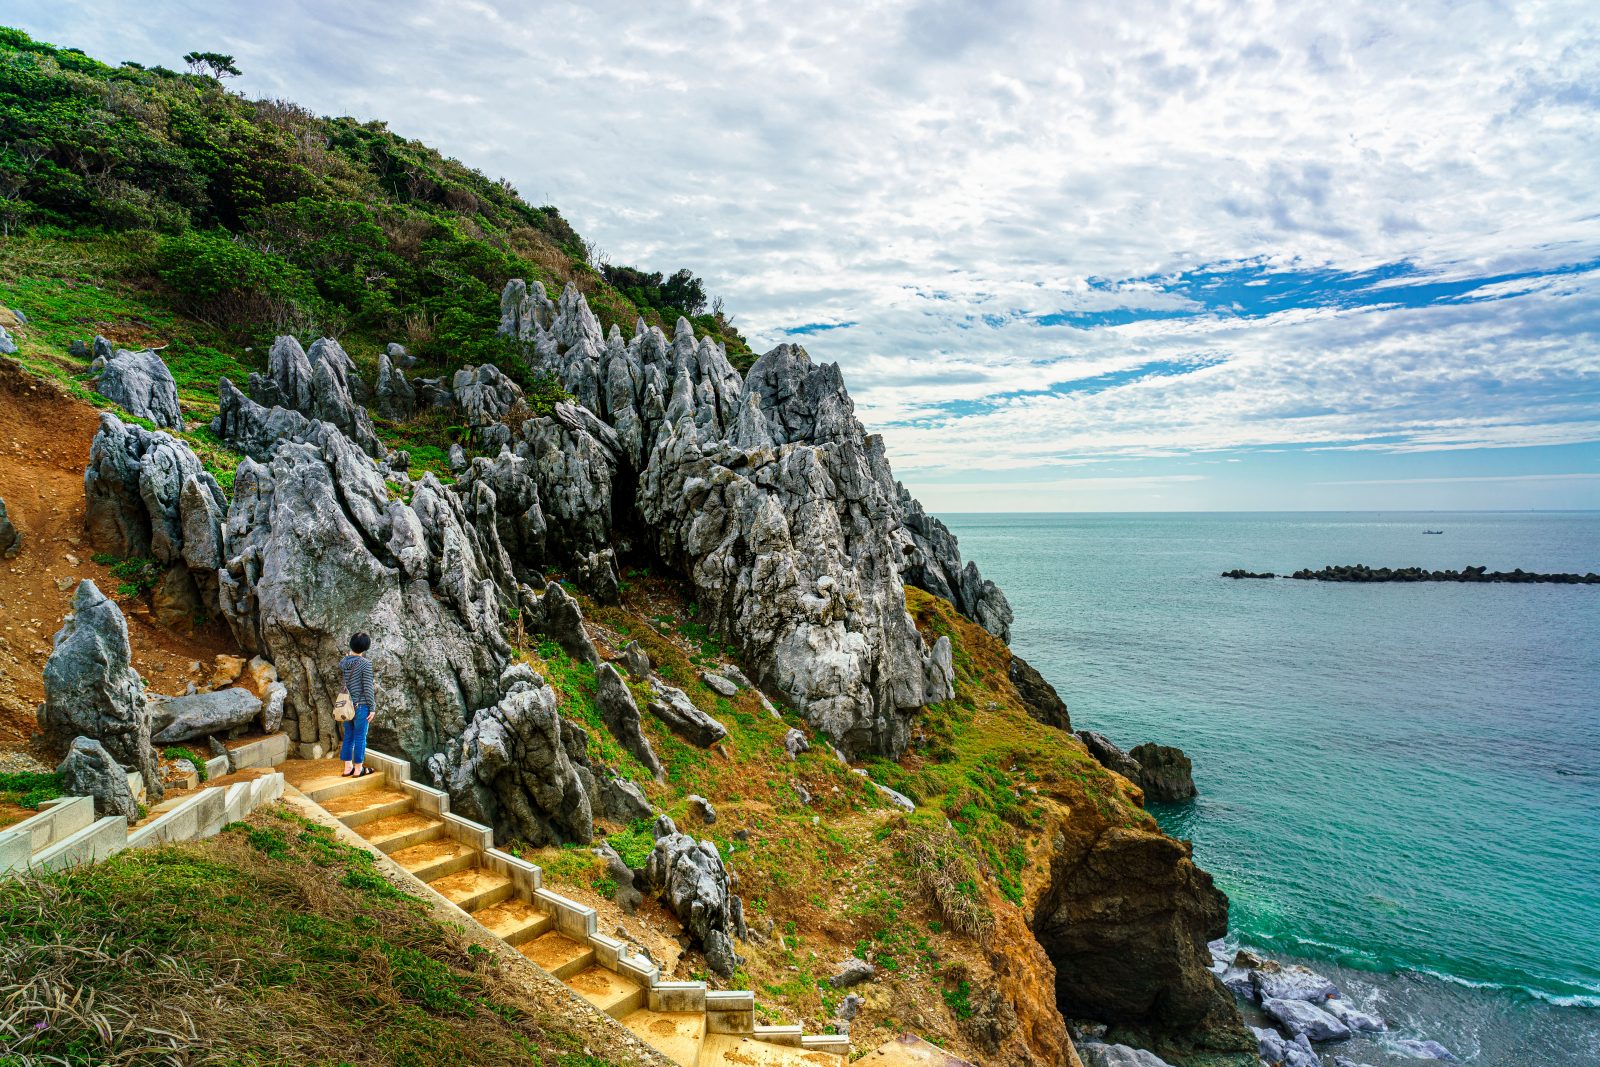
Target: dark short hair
[{"x": 360, "y": 643}]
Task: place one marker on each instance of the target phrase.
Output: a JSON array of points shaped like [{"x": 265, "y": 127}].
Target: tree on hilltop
[{"x": 215, "y": 64}]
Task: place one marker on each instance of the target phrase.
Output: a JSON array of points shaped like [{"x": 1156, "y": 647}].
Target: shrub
[
  {"x": 224, "y": 282},
  {"x": 179, "y": 752}
]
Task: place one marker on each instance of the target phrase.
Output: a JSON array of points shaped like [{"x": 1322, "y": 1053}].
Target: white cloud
[{"x": 939, "y": 174}]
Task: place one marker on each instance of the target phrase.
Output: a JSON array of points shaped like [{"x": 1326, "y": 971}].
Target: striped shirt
[{"x": 357, "y": 671}]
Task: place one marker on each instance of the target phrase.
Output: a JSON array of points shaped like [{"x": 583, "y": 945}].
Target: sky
[{"x": 1070, "y": 257}]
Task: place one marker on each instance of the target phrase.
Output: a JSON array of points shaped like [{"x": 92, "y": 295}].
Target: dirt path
[{"x": 44, "y": 445}]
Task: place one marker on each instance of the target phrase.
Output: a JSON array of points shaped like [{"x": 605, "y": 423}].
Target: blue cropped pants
[{"x": 353, "y": 749}]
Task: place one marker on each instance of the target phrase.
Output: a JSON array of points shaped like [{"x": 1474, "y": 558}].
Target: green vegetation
[
  {"x": 29, "y": 789},
  {"x": 271, "y": 943},
  {"x": 188, "y": 755},
  {"x": 257, "y": 217},
  {"x": 137, "y": 576}
]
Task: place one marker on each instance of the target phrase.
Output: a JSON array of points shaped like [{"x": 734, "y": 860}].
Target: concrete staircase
[{"x": 684, "y": 1021}]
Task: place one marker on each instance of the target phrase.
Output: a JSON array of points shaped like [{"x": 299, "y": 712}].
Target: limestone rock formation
[
  {"x": 398, "y": 355},
  {"x": 188, "y": 717},
  {"x": 621, "y": 715},
  {"x": 764, "y": 490},
  {"x": 253, "y": 428},
  {"x": 673, "y": 707},
  {"x": 321, "y": 385},
  {"x": 1299, "y": 1017},
  {"x": 92, "y": 690},
  {"x": 562, "y": 620},
  {"x": 852, "y": 972},
  {"x": 1165, "y": 772},
  {"x": 1100, "y": 1054},
  {"x": 396, "y": 398},
  {"x": 89, "y": 771},
  {"x": 519, "y": 767},
  {"x": 1108, "y": 755},
  {"x": 142, "y": 384},
  {"x": 10, "y": 536},
  {"x": 315, "y": 550},
  {"x": 1271, "y": 981},
  {"x": 485, "y": 396},
  {"x": 1044, "y": 704},
  {"x": 637, "y": 660},
  {"x": 691, "y": 879},
  {"x": 1125, "y": 918}
]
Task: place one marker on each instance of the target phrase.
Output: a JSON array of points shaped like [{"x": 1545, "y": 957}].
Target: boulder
[
  {"x": 627, "y": 897},
  {"x": 692, "y": 881},
  {"x": 701, "y": 808},
  {"x": 485, "y": 395},
  {"x": 620, "y": 799},
  {"x": 252, "y": 428},
  {"x": 520, "y": 767},
  {"x": 736, "y": 676},
  {"x": 1274, "y": 1049},
  {"x": 1353, "y": 1017},
  {"x": 618, "y": 711},
  {"x": 217, "y": 712},
  {"x": 399, "y": 356},
  {"x": 1346, "y": 1061},
  {"x": 898, "y": 799},
  {"x": 1109, "y": 755},
  {"x": 1293, "y": 982},
  {"x": 1238, "y": 982},
  {"x": 794, "y": 743},
  {"x": 272, "y": 708},
  {"x": 852, "y": 972},
  {"x": 1039, "y": 697},
  {"x": 89, "y": 771},
  {"x": 849, "y": 1007},
  {"x": 142, "y": 384},
  {"x": 637, "y": 660},
  {"x": 1302, "y": 1017},
  {"x": 673, "y": 707},
  {"x": 933, "y": 562},
  {"x": 1098, "y": 1054},
  {"x": 718, "y": 684},
  {"x": 101, "y": 348},
  {"x": 91, "y": 689},
  {"x": 139, "y": 500},
  {"x": 1164, "y": 772},
  {"x": 10, "y": 536},
  {"x": 321, "y": 385},
  {"x": 8, "y": 347}
]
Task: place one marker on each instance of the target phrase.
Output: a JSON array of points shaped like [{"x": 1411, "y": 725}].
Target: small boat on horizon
[{"x": 1433, "y": 531}]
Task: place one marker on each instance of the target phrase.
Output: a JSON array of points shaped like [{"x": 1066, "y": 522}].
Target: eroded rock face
[
  {"x": 188, "y": 717},
  {"x": 520, "y": 767},
  {"x": 1126, "y": 919},
  {"x": 764, "y": 490},
  {"x": 139, "y": 499},
  {"x": 1108, "y": 755},
  {"x": 324, "y": 388},
  {"x": 396, "y": 398},
  {"x": 691, "y": 879},
  {"x": 934, "y": 563},
  {"x": 485, "y": 396},
  {"x": 621, "y": 715},
  {"x": 315, "y": 550},
  {"x": 673, "y": 707},
  {"x": 141, "y": 382},
  {"x": 1044, "y": 704},
  {"x": 91, "y": 689},
  {"x": 89, "y": 771}
]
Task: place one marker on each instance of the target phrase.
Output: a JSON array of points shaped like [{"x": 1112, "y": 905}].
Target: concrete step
[
  {"x": 516, "y": 922},
  {"x": 607, "y": 990},
  {"x": 782, "y": 1034},
  {"x": 334, "y": 786},
  {"x": 473, "y": 888},
  {"x": 91, "y": 844},
  {"x": 733, "y": 1050},
  {"x": 395, "y": 832},
  {"x": 675, "y": 1034},
  {"x": 436, "y": 858},
  {"x": 558, "y": 954},
  {"x": 360, "y": 808}
]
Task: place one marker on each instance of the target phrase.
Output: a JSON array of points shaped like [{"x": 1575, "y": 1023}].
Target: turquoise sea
[{"x": 1399, "y": 784}]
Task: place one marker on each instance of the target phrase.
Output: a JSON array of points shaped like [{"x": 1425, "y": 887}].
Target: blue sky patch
[{"x": 817, "y": 327}]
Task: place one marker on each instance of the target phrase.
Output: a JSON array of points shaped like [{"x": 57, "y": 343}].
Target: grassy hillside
[
  {"x": 270, "y": 943},
  {"x": 256, "y": 216}
]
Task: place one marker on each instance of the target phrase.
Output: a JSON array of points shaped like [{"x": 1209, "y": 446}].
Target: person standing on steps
[{"x": 357, "y": 671}]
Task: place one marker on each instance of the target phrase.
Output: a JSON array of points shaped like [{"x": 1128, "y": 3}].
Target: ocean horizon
[{"x": 1399, "y": 783}]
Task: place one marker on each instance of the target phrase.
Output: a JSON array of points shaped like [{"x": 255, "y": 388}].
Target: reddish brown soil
[{"x": 44, "y": 445}]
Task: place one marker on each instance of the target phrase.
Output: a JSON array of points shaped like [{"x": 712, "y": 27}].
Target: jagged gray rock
[
  {"x": 1108, "y": 755},
  {"x": 92, "y": 690},
  {"x": 1099, "y": 1054},
  {"x": 316, "y": 550},
  {"x": 1303, "y": 1017},
  {"x": 396, "y": 398},
  {"x": 561, "y": 620},
  {"x": 89, "y": 771},
  {"x": 323, "y": 389},
  {"x": 101, "y": 348},
  {"x": 933, "y": 562},
  {"x": 852, "y": 972},
  {"x": 621, "y": 715},
  {"x": 8, "y": 347},
  {"x": 636, "y": 659},
  {"x": 142, "y": 384},
  {"x": 519, "y": 517},
  {"x": 1352, "y": 1016},
  {"x": 485, "y": 396},
  {"x": 10, "y": 536},
  {"x": 187, "y": 717},
  {"x": 399, "y": 356},
  {"x": 794, "y": 743},
  {"x": 272, "y": 708},
  {"x": 519, "y": 767},
  {"x": 1293, "y": 982},
  {"x": 1039, "y": 697},
  {"x": 673, "y": 707},
  {"x": 252, "y": 428},
  {"x": 620, "y": 799},
  {"x": 691, "y": 879},
  {"x": 627, "y": 897},
  {"x": 718, "y": 684},
  {"x": 701, "y": 808}
]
